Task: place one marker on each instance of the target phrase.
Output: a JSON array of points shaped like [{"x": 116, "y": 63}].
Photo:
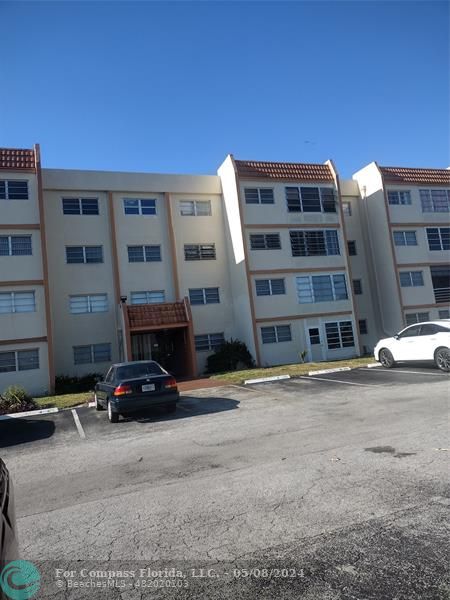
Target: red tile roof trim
[
  {"x": 17, "y": 160},
  {"x": 157, "y": 315},
  {"x": 416, "y": 176},
  {"x": 248, "y": 169}
]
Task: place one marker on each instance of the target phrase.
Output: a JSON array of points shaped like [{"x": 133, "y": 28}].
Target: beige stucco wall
[
  {"x": 35, "y": 381},
  {"x": 24, "y": 325},
  {"x": 22, "y": 267},
  {"x": 72, "y": 279}
]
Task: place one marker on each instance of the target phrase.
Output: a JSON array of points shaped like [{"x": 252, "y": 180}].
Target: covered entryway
[{"x": 162, "y": 332}]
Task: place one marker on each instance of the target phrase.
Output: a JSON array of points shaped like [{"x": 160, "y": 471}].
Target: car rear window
[{"x": 138, "y": 370}]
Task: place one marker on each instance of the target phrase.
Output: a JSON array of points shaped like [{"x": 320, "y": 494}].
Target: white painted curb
[
  {"x": 373, "y": 365},
  {"x": 90, "y": 404},
  {"x": 324, "y": 371},
  {"x": 29, "y": 413},
  {"x": 264, "y": 379}
]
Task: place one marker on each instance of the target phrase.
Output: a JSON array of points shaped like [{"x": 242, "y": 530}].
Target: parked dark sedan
[
  {"x": 8, "y": 534},
  {"x": 134, "y": 386}
]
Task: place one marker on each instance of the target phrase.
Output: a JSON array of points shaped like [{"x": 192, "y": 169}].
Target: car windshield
[{"x": 138, "y": 370}]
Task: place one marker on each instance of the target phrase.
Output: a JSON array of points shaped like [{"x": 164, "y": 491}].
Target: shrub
[
  {"x": 228, "y": 357},
  {"x": 15, "y": 399},
  {"x": 65, "y": 384}
]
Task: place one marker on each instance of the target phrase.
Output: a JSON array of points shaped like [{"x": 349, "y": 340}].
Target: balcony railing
[{"x": 442, "y": 295}]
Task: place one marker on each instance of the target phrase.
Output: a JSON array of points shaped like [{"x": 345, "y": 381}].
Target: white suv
[{"x": 418, "y": 342}]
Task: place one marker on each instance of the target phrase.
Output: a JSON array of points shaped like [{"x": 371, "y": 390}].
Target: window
[
  {"x": 195, "y": 208},
  {"x": 347, "y": 209},
  {"x": 321, "y": 288},
  {"x": 209, "y": 341},
  {"x": 139, "y": 206},
  {"x": 310, "y": 199},
  {"x": 362, "y": 324},
  {"x": 270, "y": 287},
  {"x": 84, "y": 254},
  {"x": 80, "y": 206},
  {"x": 265, "y": 241},
  {"x": 19, "y": 360},
  {"x": 93, "y": 353},
  {"x": 314, "y": 242},
  {"x": 150, "y": 297},
  {"x": 435, "y": 200},
  {"x": 411, "y": 331},
  {"x": 199, "y": 252},
  {"x": 204, "y": 295},
  {"x": 405, "y": 238},
  {"x": 417, "y": 317},
  {"x": 438, "y": 238},
  {"x": 351, "y": 245},
  {"x": 339, "y": 335},
  {"x": 144, "y": 253},
  {"x": 13, "y": 189},
  {"x": 94, "y": 303},
  {"x": 411, "y": 278},
  {"x": 399, "y": 197},
  {"x": 314, "y": 336},
  {"x": 444, "y": 314},
  {"x": 259, "y": 196},
  {"x": 17, "y": 302},
  {"x": 276, "y": 334},
  {"x": 357, "y": 287},
  {"x": 15, "y": 245}
]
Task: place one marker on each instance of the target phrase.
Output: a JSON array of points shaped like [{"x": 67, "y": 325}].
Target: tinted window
[
  {"x": 138, "y": 370},
  {"x": 428, "y": 329},
  {"x": 410, "y": 332},
  {"x": 441, "y": 329}
]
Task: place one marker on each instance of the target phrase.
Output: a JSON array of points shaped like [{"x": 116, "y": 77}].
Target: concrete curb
[
  {"x": 264, "y": 379},
  {"x": 29, "y": 413},
  {"x": 373, "y": 365},
  {"x": 325, "y": 371}
]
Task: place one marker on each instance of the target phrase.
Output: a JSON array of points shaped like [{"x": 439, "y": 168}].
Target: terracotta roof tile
[
  {"x": 154, "y": 315},
  {"x": 16, "y": 159},
  {"x": 283, "y": 170},
  {"x": 416, "y": 176}
]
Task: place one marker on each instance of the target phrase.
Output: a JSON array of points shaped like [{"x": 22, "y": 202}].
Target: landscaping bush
[
  {"x": 65, "y": 384},
  {"x": 228, "y": 357},
  {"x": 15, "y": 399}
]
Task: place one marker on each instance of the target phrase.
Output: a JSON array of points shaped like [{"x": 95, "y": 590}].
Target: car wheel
[
  {"x": 112, "y": 416},
  {"x": 442, "y": 359},
  {"x": 386, "y": 358},
  {"x": 171, "y": 408},
  {"x": 98, "y": 406}
]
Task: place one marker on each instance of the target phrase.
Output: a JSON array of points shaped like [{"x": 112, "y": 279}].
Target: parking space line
[
  {"x": 340, "y": 381},
  {"x": 79, "y": 427},
  {"x": 400, "y": 371}
]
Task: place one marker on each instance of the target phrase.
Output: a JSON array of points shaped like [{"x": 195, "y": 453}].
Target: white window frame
[
  {"x": 13, "y": 302},
  {"x": 203, "y": 291},
  {"x": 139, "y": 201},
  {"x": 258, "y": 189},
  {"x": 404, "y": 232},
  {"x": 211, "y": 346},
  {"x": 148, "y": 296},
  {"x": 321, "y": 199},
  {"x": 347, "y": 208},
  {"x": 431, "y": 200},
  {"x": 338, "y": 322},
  {"x": 311, "y": 287},
  {"x": 92, "y": 353},
  {"x": 80, "y": 212},
  {"x": 90, "y": 299},
  {"x": 10, "y": 237},
  {"x": 410, "y": 277},
  {"x": 400, "y": 195},
  {"x": 195, "y": 208},
  {"x": 7, "y": 198},
  {"x": 270, "y": 286},
  {"x": 85, "y": 262},
  {"x": 16, "y": 359},
  {"x": 276, "y": 333},
  {"x": 418, "y": 319}
]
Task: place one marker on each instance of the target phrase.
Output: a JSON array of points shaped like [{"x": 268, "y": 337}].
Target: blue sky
[{"x": 174, "y": 87}]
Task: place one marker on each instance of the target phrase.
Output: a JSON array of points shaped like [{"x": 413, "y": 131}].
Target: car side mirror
[{"x": 396, "y": 336}]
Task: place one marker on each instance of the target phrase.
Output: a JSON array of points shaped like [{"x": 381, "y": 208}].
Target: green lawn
[
  {"x": 64, "y": 400},
  {"x": 292, "y": 370}
]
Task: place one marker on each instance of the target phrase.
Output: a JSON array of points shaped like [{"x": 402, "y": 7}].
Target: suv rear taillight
[
  {"x": 121, "y": 390},
  {"x": 171, "y": 384}
]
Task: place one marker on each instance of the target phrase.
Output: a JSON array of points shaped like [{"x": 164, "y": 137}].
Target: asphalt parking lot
[{"x": 326, "y": 487}]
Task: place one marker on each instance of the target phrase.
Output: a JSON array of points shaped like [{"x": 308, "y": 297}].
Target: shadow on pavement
[
  {"x": 24, "y": 430},
  {"x": 187, "y": 407}
]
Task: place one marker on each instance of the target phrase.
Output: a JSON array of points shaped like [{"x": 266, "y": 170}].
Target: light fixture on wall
[{"x": 123, "y": 299}]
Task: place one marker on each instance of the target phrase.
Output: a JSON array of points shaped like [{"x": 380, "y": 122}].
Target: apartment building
[
  {"x": 409, "y": 234},
  {"x": 98, "y": 267}
]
